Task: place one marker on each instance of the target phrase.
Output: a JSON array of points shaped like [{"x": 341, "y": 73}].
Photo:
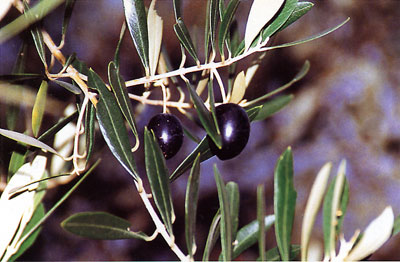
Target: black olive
[
  {"x": 234, "y": 126},
  {"x": 168, "y": 130}
]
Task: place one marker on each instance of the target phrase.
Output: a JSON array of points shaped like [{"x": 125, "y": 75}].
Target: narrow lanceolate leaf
[
  {"x": 273, "y": 106},
  {"x": 49, "y": 133},
  {"x": 211, "y": 25},
  {"x": 261, "y": 13},
  {"x": 212, "y": 237},
  {"x": 121, "y": 95},
  {"x": 69, "y": 7},
  {"x": 396, "y": 226},
  {"x": 226, "y": 222},
  {"x": 284, "y": 202},
  {"x": 90, "y": 122},
  {"x": 184, "y": 38},
  {"x": 111, "y": 122},
  {"x": 301, "y": 9},
  {"x": 331, "y": 209},
  {"x": 313, "y": 204},
  {"x": 205, "y": 153},
  {"x": 155, "y": 31},
  {"x": 117, "y": 49},
  {"x": 27, "y": 140},
  {"x": 232, "y": 190},
  {"x": 16, "y": 161},
  {"x": 70, "y": 87},
  {"x": 177, "y": 8},
  {"x": 252, "y": 112},
  {"x": 273, "y": 253},
  {"x": 100, "y": 225},
  {"x": 205, "y": 117},
  {"x": 20, "y": 77},
  {"x": 37, "y": 215},
  {"x": 239, "y": 88},
  {"x": 158, "y": 177},
  {"x": 192, "y": 195},
  {"x": 260, "y": 219},
  {"x": 226, "y": 21},
  {"x": 248, "y": 235},
  {"x": 374, "y": 236},
  {"x": 38, "y": 108},
  {"x": 135, "y": 14}
]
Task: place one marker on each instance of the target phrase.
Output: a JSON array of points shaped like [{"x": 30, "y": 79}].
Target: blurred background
[{"x": 345, "y": 108}]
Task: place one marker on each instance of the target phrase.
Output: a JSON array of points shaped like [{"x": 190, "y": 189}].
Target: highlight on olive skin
[
  {"x": 234, "y": 126},
  {"x": 169, "y": 133}
]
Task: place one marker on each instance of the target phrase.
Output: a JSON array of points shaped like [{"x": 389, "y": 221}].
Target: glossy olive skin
[
  {"x": 234, "y": 125},
  {"x": 168, "y": 130}
]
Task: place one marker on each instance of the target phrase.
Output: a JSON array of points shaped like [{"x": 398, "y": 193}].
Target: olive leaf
[
  {"x": 260, "y": 219},
  {"x": 212, "y": 237},
  {"x": 155, "y": 30},
  {"x": 38, "y": 107},
  {"x": 226, "y": 21},
  {"x": 273, "y": 106},
  {"x": 300, "y": 10},
  {"x": 184, "y": 38}
]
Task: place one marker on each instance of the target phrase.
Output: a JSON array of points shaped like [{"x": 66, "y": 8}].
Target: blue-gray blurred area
[{"x": 345, "y": 108}]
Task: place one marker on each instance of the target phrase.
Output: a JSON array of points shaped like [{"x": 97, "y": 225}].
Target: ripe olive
[
  {"x": 234, "y": 126},
  {"x": 168, "y": 130}
]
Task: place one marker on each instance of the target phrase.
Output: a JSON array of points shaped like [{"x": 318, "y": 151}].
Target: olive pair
[{"x": 233, "y": 123}]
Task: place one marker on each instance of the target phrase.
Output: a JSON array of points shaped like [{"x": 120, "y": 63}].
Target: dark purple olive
[
  {"x": 168, "y": 130},
  {"x": 234, "y": 126}
]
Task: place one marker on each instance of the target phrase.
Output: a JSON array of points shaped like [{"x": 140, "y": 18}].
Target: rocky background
[{"x": 346, "y": 108}]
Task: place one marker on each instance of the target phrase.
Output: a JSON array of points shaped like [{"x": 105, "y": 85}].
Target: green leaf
[
  {"x": 100, "y": 225},
  {"x": 36, "y": 13},
  {"x": 225, "y": 25},
  {"x": 211, "y": 24},
  {"x": 27, "y": 140},
  {"x": 252, "y": 112},
  {"x": 331, "y": 206},
  {"x": 136, "y": 18},
  {"x": 121, "y": 95},
  {"x": 39, "y": 107},
  {"x": 90, "y": 128},
  {"x": 212, "y": 236},
  {"x": 121, "y": 36},
  {"x": 70, "y": 87},
  {"x": 80, "y": 66},
  {"x": 396, "y": 226},
  {"x": 344, "y": 200},
  {"x": 184, "y": 38},
  {"x": 36, "y": 217},
  {"x": 232, "y": 190},
  {"x": 158, "y": 178},
  {"x": 260, "y": 219},
  {"x": 20, "y": 77},
  {"x": 273, "y": 106},
  {"x": 301, "y": 9},
  {"x": 69, "y": 7},
  {"x": 69, "y": 61},
  {"x": 284, "y": 203},
  {"x": 177, "y": 9},
  {"x": 205, "y": 153},
  {"x": 57, "y": 127},
  {"x": 273, "y": 253},
  {"x": 16, "y": 161},
  {"x": 191, "y": 199},
  {"x": 37, "y": 38},
  {"x": 226, "y": 222},
  {"x": 248, "y": 235},
  {"x": 311, "y": 38},
  {"x": 205, "y": 117},
  {"x": 211, "y": 101},
  {"x": 112, "y": 125}
]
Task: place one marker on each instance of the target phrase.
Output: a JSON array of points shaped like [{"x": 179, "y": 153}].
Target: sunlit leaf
[
  {"x": 226, "y": 21},
  {"x": 112, "y": 125},
  {"x": 374, "y": 236},
  {"x": 184, "y": 38},
  {"x": 16, "y": 161},
  {"x": 261, "y": 13},
  {"x": 136, "y": 18},
  {"x": 284, "y": 202},
  {"x": 239, "y": 88},
  {"x": 330, "y": 210},
  {"x": 226, "y": 223},
  {"x": 100, "y": 225},
  {"x": 248, "y": 235},
  {"x": 155, "y": 32},
  {"x": 27, "y": 140},
  {"x": 38, "y": 108},
  {"x": 313, "y": 204},
  {"x": 158, "y": 178},
  {"x": 191, "y": 199},
  {"x": 301, "y": 9},
  {"x": 212, "y": 236}
]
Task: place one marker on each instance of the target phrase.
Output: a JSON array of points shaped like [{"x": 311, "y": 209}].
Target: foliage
[{"x": 108, "y": 106}]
